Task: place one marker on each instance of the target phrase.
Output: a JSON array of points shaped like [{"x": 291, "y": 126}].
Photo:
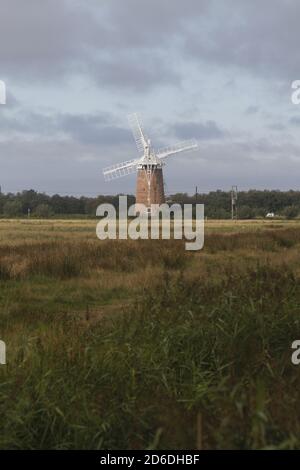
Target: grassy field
[{"x": 140, "y": 344}]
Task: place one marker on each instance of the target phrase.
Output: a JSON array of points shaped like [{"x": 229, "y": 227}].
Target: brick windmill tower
[{"x": 150, "y": 184}]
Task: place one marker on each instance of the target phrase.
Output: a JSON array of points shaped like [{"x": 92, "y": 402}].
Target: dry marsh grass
[{"x": 124, "y": 344}]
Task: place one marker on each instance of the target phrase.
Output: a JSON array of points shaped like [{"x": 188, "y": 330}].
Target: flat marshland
[{"x": 142, "y": 345}]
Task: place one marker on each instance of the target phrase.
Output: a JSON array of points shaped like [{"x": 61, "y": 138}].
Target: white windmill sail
[
  {"x": 120, "y": 169},
  {"x": 138, "y": 132},
  {"x": 184, "y": 146}
]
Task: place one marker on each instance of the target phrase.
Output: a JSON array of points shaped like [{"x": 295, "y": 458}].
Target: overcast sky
[{"x": 219, "y": 71}]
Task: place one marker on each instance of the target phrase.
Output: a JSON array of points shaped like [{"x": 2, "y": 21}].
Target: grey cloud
[
  {"x": 259, "y": 36},
  {"x": 94, "y": 129},
  {"x": 23, "y": 122},
  {"x": 11, "y": 101},
  {"x": 43, "y": 39},
  {"x": 89, "y": 129},
  {"x": 133, "y": 39},
  {"x": 252, "y": 110},
  {"x": 143, "y": 24},
  {"x": 129, "y": 44},
  {"x": 276, "y": 126},
  {"x": 122, "y": 44},
  {"x": 137, "y": 74},
  {"x": 131, "y": 47},
  {"x": 200, "y": 131},
  {"x": 72, "y": 167},
  {"x": 58, "y": 166},
  {"x": 249, "y": 164},
  {"x": 295, "y": 120}
]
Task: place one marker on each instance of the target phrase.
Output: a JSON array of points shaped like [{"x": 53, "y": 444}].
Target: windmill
[{"x": 149, "y": 186}]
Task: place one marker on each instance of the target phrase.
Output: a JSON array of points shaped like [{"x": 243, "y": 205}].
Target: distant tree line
[
  {"x": 251, "y": 204},
  {"x": 35, "y": 204}
]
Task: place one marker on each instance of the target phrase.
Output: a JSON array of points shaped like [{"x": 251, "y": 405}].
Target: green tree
[
  {"x": 290, "y": 212},
  {"x": 246, "y": 212},
  {"x": 12, "y": 208},
  {"x": 43, "y": 210}
]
